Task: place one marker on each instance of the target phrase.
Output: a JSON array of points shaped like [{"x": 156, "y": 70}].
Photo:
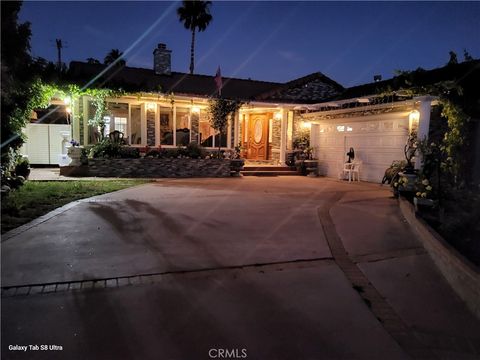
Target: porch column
[
  {"x": 157, "y": 125},
  {"x": 425, "y": 107},
  {"x": 85, "y": 120},
  {"x": 143, "y": 122},
  {"x": 283, "y": 137},
  {"x": 75, "y": 119},
  {"x": 236, "y": 127}
]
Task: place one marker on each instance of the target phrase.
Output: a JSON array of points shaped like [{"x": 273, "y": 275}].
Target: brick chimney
[{"x": 162, "y": 63}]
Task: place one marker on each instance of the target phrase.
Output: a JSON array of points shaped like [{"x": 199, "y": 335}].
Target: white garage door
[{"x": 377, "y": 141}]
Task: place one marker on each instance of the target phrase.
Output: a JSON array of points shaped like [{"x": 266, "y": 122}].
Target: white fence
[{"x": 44, "y": 142}]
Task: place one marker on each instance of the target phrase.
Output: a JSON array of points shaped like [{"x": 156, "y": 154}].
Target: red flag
[{"x": 218, "y": 81}]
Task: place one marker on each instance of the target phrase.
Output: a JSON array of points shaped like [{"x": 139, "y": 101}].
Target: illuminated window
[
  {"x": 182, "y": 126},
  {"x": 340, "y": 128},
  {"x": 166, "y": 126},
  {"x": 135, "y": 126}
]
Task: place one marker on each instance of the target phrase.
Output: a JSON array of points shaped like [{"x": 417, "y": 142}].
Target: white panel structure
[
  {"x": 56, "y": 140},
  {"x": 44, "y": 143},
  {"x": 377, "y": 140}
]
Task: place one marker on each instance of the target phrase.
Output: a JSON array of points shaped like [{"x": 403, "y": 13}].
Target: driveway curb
[{"x": 462, "y": 275}]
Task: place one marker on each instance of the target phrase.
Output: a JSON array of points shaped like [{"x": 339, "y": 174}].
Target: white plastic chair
[
  {"x": 347, "y": 171},
  {"x": 355, "y": 171}
]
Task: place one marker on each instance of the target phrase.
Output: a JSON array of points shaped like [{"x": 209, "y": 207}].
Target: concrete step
[
  {"x": 268, "y": 173},
  {"x": 268, "y": 168}
]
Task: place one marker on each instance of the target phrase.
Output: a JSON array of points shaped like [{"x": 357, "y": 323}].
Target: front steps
[{"x": 255, "y": 170}]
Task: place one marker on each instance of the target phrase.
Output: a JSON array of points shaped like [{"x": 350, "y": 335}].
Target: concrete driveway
[{"x": 257, "y": 268}]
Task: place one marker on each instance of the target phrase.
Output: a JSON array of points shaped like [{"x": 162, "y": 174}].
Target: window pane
[
  {"x": 136, "y": 126},
  {"x": 166, "y": 126},
  {"x": 121, "y": 124},
  {"x": 206, "y": 132},
  {"x": 221, "y": 139},
  {"x": 183, "y": 131},
  {"x": 106, "y": 129}
]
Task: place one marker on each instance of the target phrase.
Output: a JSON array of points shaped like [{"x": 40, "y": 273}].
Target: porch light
[
  {"x": 68, "y": 109},
  {"x": 413, "y": 120},
  {"x": 277, "y": 116},
  {"x": 67, "y": 100},
  {"x": 151, "y": 106},
  {"x": 195, "y": 109}
]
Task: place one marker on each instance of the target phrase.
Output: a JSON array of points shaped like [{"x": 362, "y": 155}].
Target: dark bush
[
  {"x": 153, "y": 153},
  {"x": 129, "y": 152},
  {"x": 22, "y": 168},
  {"x": 105, "y": 149},
  {"x": 195, "y": 151}
]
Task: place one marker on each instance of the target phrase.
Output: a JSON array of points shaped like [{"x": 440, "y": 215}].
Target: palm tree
[
  {"x": 113, "y": 55},
  {"x": 194, "y": 15},
  {"x": 92, "y": 61}
]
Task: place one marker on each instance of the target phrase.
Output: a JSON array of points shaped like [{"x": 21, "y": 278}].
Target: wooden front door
[{"x": 257, "y": 147}]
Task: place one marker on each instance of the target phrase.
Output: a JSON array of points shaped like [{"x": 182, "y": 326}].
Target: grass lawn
[{"x": 36, "y": 198}]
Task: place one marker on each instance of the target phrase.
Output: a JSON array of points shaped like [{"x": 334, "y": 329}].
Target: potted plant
[
  {"x": 408, "y": 176},
  {"x": 22, "y": 167},
  {"x": 423, "y": 195},
  {"x": 310, "y": 164},
  {"x": 236, "y": 162}
]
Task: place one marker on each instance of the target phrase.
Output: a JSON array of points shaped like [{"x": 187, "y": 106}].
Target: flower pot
[
  {"x": 75, "y": 153},
  {"x": 236, "y": 165},
  {"x": 420, "y": 202},
  {"x": 311, "y": 167}
]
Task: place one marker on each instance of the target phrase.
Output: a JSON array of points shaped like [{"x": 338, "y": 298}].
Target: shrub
[
  {"x": 105, "y": 149},
  {"x": 195, "y": 151},
  {"x": 22, "y": 167},
  {"x": 129, "y": 152}
]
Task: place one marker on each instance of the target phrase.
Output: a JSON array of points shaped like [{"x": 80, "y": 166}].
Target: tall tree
[
  {"x": 17, "y": 79},
  {"x": 195, "y": 15},
  {"x": 113, "y": 55}
]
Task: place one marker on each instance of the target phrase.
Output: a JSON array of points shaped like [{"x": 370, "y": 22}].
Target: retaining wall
[
  {"x": 151, "y": 167},
  {"x": 461, "y": 274}
]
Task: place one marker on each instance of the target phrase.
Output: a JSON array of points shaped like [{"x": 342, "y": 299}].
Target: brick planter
[{"x": 159, "y": 168}]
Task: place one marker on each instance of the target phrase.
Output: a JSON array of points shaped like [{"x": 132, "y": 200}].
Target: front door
[{"x": 257, "y": 147}]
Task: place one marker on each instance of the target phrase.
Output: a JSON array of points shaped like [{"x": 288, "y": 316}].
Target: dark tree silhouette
[
  {"x": 92, "y": 61},
  {"x": 453, "y": 58},
  {"x": 195, "y": 15},
  {"x": 113, "y": 55}
]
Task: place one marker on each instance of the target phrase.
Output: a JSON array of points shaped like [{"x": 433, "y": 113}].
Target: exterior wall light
[
  {"x": 413, "y": 120},
  {"x": 195, "y": 109},
  {"x": 151, "y": 106},
  {"x": 277, "y": 116},
  {"x": 68, "y": 109},
  {"x": 67, "y": 100}
]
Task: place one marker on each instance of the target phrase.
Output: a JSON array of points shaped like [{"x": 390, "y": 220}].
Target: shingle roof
[{"x": 140, "y": 79}]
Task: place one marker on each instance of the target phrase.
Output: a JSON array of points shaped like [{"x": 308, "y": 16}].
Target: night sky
[{"x": 272, "y": 41}]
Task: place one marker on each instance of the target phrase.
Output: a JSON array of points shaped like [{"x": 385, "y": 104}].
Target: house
[{"x": 168, "y": 109}]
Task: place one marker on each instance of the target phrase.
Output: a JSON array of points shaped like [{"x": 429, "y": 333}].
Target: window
[
  {"x": 206, "y": 134},
  {"x": 166, "y": 126},
  {"x": 136, "y": 125},
  {"x": 121, "y": 124},
  {"x": 182, "y": 127}
]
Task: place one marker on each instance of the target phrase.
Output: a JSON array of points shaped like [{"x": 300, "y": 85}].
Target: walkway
[{"x": 281, "y": 268}]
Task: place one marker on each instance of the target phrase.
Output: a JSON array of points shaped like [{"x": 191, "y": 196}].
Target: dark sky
[{"x": 273, "y": 41}]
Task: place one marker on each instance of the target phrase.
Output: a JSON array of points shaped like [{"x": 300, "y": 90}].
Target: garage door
[{"x": 377, "y": 141}]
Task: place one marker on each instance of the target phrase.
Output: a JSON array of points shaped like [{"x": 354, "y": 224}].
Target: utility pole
[{"x": 59, "y": 53}]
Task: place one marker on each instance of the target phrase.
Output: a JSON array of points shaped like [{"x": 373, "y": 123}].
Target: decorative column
[
  {"x": 425, "y": 107},
  {"x": 236, "y": 127},
  {"x": 283, "y": 136}
]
